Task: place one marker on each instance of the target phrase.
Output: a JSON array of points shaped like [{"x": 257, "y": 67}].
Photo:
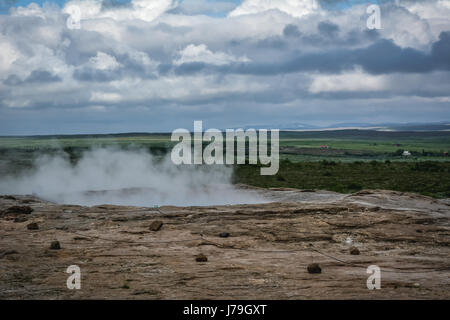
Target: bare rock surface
[{"x": 265, "y": 256}]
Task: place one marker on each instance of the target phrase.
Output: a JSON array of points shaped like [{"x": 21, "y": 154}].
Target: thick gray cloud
[
  {"x": 39, "y": 76},
  {"x": 291, "y": 30},
  {"x": 109, "y": 4},
  {"x": 328, "y": 29},
  {"x": 382, "y": 57},
  {"x": 204, "y": 7},
  {"x": 441, "y": 51},
  {"x": 36, "y": 76}
]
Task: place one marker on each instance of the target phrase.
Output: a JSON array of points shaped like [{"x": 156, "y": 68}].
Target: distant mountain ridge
[
  {"x": 437, "y": 126},
  {"x": 443, "y": 126}
]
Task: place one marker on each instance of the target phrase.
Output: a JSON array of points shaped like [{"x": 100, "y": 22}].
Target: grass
[
  {"x": 372, "y": 142},
  {"x": 370, "y": 145},
  {"x": 428, "y": 178},
  {"x": 82, "y": 141}
]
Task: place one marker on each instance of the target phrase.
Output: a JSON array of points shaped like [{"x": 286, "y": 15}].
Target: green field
[
  {"x": 363, "y": 142},
  {"x": 353, "y": 159},
  {"x": 83, "y": 141}
]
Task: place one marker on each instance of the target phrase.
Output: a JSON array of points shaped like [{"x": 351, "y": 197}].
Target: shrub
[{"x": 354, "y": 186}]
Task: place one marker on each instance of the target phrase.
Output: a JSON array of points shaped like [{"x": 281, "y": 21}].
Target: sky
[{"x": 158, "y": 65}]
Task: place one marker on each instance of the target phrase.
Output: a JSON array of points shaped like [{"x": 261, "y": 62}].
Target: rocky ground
[{"x": 258, "y": 251}]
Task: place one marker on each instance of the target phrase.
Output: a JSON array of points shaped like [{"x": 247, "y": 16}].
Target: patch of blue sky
[{"x": 6, "y": 5}]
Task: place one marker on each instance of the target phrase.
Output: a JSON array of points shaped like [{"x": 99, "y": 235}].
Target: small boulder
[
  {"x": 20, "y": 219},
  {"x": 314, "y": 268},
  {"x": 7, "y": 252},
  {"x": 55, "y": 245},
  {"x": 224, "y": 235},
  {"x": 8, "y": 197},
  {"x": 19, "y": 210},
  {"x": 201, "y": 258},
  {"x": 354, "y": 251},
  {"x": 155, "y": 225},
  {"x": 32, "y": 226}
]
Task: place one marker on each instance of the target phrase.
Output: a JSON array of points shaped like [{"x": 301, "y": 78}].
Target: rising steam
[{"x": 126, "y": 177}]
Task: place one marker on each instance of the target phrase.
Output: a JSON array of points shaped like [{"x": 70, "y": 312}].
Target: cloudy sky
[{"x": 157, "y": 65}]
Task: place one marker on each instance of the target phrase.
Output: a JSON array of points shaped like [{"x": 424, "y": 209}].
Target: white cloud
[
  {"x": 434, "y": 9},
  {"x": 106, "y": 27},
  {"x": 105, "y": 97},
  {"x": 8, "y": 54},
  {"x": 296, "y": 8},
  {"x": 348, "y": 82},
  {"x": 406, "y": 28},
  {"x": 17, "y": 103},
  {"x": 201, "y": 53},
  {"x": 146, "y": 10},
  {"x": 434, "y": 13},
  {"x": 32, "y": 9},
  {"x": 103, "y": 61}
]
